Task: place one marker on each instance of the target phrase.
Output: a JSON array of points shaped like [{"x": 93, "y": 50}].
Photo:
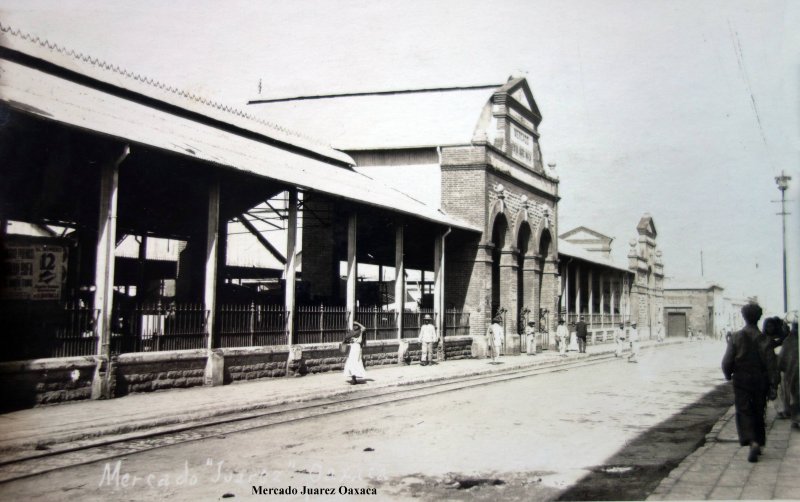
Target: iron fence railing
[
  {"x": 251, "y": 325},
  {"x": 380, "y": 325},
  {"x": 456, "y": 322},
  {"x": 320, "y": 324},
  {"x": 152, "y": 328},
  {"x": 60, "y": 330}
]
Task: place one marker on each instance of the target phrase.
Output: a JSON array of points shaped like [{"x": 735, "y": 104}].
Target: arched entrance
[
  {"x": 499, "y": 232},
  {"x": 526, "y": 276},
  {"x": 544, "y": 315}
]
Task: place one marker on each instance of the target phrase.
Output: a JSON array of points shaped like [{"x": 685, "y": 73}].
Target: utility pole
[{"x": 783, "y": 184}]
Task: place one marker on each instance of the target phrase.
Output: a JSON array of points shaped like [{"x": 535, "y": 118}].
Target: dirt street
[{"x": 608, "y": 431}]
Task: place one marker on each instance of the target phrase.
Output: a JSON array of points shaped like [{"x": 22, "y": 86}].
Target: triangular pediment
[
  {"x": 583, "y": 233},
  {"x": 521, "y": 98},
  {"x": 519, "y": 91}
]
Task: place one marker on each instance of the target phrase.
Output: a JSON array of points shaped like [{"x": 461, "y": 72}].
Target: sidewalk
[
  {"x": 719, "y": 470},
  {"x": 23, "y": 432}
]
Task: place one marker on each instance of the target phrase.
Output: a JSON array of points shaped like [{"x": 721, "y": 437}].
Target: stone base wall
[
  {"x": 458, "y": 347},
  {"x": 146, "y": 372},
  {"x": 254, "y": 363},
  {"x": 24, "y": 384}
]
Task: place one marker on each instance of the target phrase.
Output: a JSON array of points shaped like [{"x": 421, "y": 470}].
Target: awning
[{"x": 55, "y": 98}]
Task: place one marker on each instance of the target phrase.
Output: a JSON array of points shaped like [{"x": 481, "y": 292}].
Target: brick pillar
[
  {"x": 531, "y": 275},
  {"x": 550, "y": 294},
  {"x": 509, "y": 268}
]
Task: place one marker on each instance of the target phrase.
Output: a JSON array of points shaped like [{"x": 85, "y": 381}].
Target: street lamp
[{"x": 783, "y": 184}]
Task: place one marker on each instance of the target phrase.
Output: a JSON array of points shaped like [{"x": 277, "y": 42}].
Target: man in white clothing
[
  {"x": 633, "y": 337},
  {"x": 427, "y": 337},
  {"x": 495, "y": 335},
  {"x": 659, "y": 332}
]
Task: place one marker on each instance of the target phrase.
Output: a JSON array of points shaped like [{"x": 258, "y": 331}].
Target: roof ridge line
[{"x": 152, "y": 82}]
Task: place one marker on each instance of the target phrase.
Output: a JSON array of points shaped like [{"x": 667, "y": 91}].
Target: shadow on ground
[{"x": 635, "y": 471}]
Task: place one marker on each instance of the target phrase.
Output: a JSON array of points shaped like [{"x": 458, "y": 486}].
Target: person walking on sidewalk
[
  {"x": 562, "y": 338},
  {"x": 495, "y": 335},
  {"x": 633, "y": 338},
  {"x": 581, "y": 332},
  {"x": 530, "y": 338},
  {"x": 619, "y": 340},
  {"x": 659, "y": 332},
  {"x": 788, "y": 365},
  {"x": 427, "y": 337},
  {"x": 573, "y": 340},
  {"x": 354, "y": 365},
  {"x": 750, "y": 362}
]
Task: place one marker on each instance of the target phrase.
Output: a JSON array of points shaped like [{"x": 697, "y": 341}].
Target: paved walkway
[{"x": 719, "y": 470}]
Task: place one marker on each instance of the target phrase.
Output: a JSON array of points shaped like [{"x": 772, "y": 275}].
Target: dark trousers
[
  {"x": 581, "y": 344},
  {"x": 750, "y": 399}
]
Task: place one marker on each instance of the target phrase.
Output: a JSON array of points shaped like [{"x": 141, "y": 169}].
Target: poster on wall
[{"x": 34, "y": 272}]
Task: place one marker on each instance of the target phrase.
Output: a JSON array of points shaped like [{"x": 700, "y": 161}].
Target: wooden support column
[
  {"x": 352, "y": 268},
  {"x": 566, "y": 293},
  {"x": 399, "y": 279},
  {"x": 591, "y": 297},
  {"x": 577, "y": 290},
  {"x": 141, "y": 280},
  {"x": 438, "y": 289},
  {"x": 291, "y": 267},
  {"x": 602, "y": 298},
  {"x": 102, "y": 385},
  {"x": 214, "y": 364},
  {"x": 612, "y": 287}
]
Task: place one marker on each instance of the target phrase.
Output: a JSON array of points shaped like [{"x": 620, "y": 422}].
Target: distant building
[
  {"x": 606, "y": 292},
  {"x": 694, "y": 304}
]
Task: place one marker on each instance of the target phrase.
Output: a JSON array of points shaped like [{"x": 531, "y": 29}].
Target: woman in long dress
[{"x": 354, "y": 365}]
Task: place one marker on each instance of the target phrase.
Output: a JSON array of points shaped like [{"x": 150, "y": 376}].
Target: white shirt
[{"x": 427, "y": 334}]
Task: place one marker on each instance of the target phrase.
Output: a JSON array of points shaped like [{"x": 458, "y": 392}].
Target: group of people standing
[{"x": 751, "y": 364}]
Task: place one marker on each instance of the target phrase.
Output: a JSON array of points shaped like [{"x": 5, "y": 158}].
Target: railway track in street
[{"x": 91, "y": 450}]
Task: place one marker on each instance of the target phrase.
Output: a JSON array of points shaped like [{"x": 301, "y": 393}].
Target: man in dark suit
[
  {"x": 581, "y": 332},
  {"x": 750, "y": 361}
]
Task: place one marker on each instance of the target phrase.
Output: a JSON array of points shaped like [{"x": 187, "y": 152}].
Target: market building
[
  {"x": 95, "y": 155},
  {"x": 128, "y": 200}
]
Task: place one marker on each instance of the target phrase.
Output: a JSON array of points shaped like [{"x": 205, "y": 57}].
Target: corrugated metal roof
[
  {"x": 102, "y": 71},
  {"x": 435, "y": 118},
  {"x": 51, "y": 97},
  {"x": 569, "y": 249}
]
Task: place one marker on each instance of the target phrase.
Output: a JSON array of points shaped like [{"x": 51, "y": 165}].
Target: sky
[{"x": 683, "y": 109}]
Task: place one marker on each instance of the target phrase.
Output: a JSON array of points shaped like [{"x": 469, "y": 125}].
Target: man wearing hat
[
  {"x": 530, "y": 336},
  {"x": 581, "y": 332},
  {"x": 427, "y": 337},
  {"x": 633, "y": 338}
]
